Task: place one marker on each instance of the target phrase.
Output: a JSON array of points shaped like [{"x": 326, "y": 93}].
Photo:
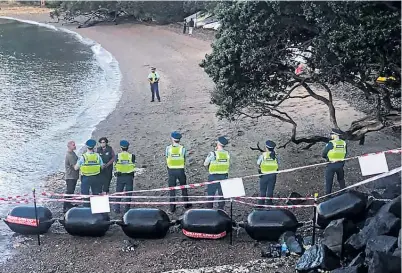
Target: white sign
[
  {"x": 373, "y": 164},
  {"x": 232, "y": 188},
  {"x": 100, "y": 204}
]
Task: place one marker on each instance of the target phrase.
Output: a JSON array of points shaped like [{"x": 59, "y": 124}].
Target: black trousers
[
  {"x": 106, "y": 176},
  {"x": 70, "y": 189},
  {"x": 267, "y": 186},
  {"x": 330, "y": 171},
  {"x": 174, "y": 176}
]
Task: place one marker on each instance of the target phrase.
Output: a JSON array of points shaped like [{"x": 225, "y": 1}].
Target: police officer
[
  {"x": 335, "y": 152},
  {"x": 90, "y": 165},
  {"x": 153, "y": 79},
  {"x": 124, "y": 170},
  {"x": 175, "y": 159},
  {"x": 107, "y": 154},
  {"x": 267, "y": 163},
  {"x": 218, "y": 163}
]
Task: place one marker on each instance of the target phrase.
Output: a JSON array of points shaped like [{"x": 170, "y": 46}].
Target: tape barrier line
[
  {"x": 136, "y": 203},
  {"x": 190, "y": 186},
  {"x": 274, "y": 206},
  {"x": 394, "y": 171}
]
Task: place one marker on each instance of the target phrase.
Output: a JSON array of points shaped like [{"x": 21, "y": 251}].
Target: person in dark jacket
[
  {"x": 107, "y": 154},
  {"x": 184, "y": 26},
  {"x": 191, "y": 25}
]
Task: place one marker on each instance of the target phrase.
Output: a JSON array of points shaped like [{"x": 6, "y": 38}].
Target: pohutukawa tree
[{"x": 253, "y": 59}]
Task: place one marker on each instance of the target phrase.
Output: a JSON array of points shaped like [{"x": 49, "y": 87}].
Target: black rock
[
  {"x": 336, "y": 233},
  {"x": 358, "y": 260},
  {"x": 350, "y": 205},
  {"x": 393, "y": 207},
  {"x": 399, "y": 239},
  {"x": 373, "y": 206},
  {"x": 292, "y": 242},
  {"x": 384, "y": 263},
  {"x": 384, "y": 223},
  {"x": 376, "y": 195},
  {"x": 397, "y": 252},
  {"x": 382, "y": 243},
  {"x": 387, "y": 181},
  {"x": 308, "y": 240},
  {"x": 392, "y": 192},
  {"x": 350, "y": 269},
  {"x": 317, "y": 257}
]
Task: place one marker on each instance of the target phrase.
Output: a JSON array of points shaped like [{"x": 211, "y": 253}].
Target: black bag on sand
[
  {"x": 145, "y": 223},
  {"x": 350, "y": 205},
  {"x": 81, "y": 222},
  {"x": 268, "y": 225},
  {"x": 206, "y": 223},
  {"x": 22, "y": 220}
]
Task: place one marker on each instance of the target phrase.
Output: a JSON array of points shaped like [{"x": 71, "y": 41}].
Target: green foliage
[
  {"x": 253, "y": 58},
  {"x": 160, "y": 11}
]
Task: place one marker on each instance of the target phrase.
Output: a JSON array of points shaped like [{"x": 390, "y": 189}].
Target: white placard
[
  {"x": 373, "y": 164},
  {"x": 100, "y": 204},
  {"x": 233, "y": 188}
]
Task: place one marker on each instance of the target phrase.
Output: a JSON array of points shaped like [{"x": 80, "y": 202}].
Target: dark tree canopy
[
  {"x": 254, "y": 59},
  {"x": 96, "y": 11}
]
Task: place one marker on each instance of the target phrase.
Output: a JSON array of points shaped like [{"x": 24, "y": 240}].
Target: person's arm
[
  {"x": 167, "y": 152},
  {"x": 111, "y": 160},
  {"x": 327, "y": 148},
  {"x": 157, "y": 77},
  {"x": 150, "y": 78},
  {"x": 101, "y": 161},
  {"x": 133, "y": 158},
  {"x": 79, "y": 163},
  {"x": 259, "y": 160},
  {"x": 209, "y": 158},
  {"x": 185, "y": 153}
]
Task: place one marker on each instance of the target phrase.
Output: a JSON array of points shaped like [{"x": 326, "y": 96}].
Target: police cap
[
  {"x": 175, "y": 135},
  {"x": 90, "y": 143},
  {"x": 223, "y": 141},
  {"x": 124, "y": 143},
  {"x": 270, "y": 144}
]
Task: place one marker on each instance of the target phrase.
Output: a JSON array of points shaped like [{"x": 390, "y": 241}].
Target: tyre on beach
[
  {"x": 268, "y": 225},
  {"x": 206, "y": 224},
  {"x": 22, "y": 220},
  {"x": 81, "y": 222},
  {"x": 145, "y": 223}
]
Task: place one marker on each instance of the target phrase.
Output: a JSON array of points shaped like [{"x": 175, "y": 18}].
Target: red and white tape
[{"x": 274, "y": 206}]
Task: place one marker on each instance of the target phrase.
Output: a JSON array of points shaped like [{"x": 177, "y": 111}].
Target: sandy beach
[{"x": 185, "y": 107}]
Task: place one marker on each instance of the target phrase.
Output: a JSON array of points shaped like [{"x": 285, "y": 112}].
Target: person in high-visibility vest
[
  {"x": 267, "y": 163},
  {"x": 335, "y": 152},
  {"x": 153, "y": 79},
  {"x": 90, "y": 165},
  {"x": 175, "y": 159},
  {"x": 124, "y": 168},
  {"x": 218, "y": 164}
]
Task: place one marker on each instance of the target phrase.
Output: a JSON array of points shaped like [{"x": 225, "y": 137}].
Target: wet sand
[{"x": 185, "y": 106}]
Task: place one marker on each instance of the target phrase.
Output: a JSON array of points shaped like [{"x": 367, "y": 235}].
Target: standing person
[
  {"x": 191, "y": 26},
  {"x": 335, "y": 152},
  {"x": 218, "y": 163},
  {"x": 184, "y": 26},
  {"x": 124, "y": 170},
  {"x": 90, "y": 165},
  {"x": 107, "y": 154},
  {"x": 267, "y": 163},
  {"x": 175, "y": 158},
  {"x": 71, "y": 175},
  {"x": 153, "y": 79}
]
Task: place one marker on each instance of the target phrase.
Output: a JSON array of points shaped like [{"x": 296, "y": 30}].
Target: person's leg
[
  {"x": 172, "y": 183},
  {"x": 129, "y": 187},
  {"x": 329, "y": 178},
  {"x": 85, "y": 188},
  {"x": 263, "y": 188},
  {"x": 271, "y": 186},
  {"x": 157, "y": 91},
  {"x": 152, "y": 92},
  {"x": 183, "y": 181},
  {"x": 221, "y": 204},
  {"x": 190, "y": 31},
  {"x": 340, "y": 175},
  {"x": 70, "y": 188},
  {"x": 119, "y": 188},
  {"x": 96, "y": 184},
  {"x": 106, "y": 182},
  {"x": 211, "y": 189}
]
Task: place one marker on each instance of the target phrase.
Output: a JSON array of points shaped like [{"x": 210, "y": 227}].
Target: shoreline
[{"x": 185, "y": 106}]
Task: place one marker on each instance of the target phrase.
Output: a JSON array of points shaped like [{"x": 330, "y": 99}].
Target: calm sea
[{"x": 54, "y": 86}]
